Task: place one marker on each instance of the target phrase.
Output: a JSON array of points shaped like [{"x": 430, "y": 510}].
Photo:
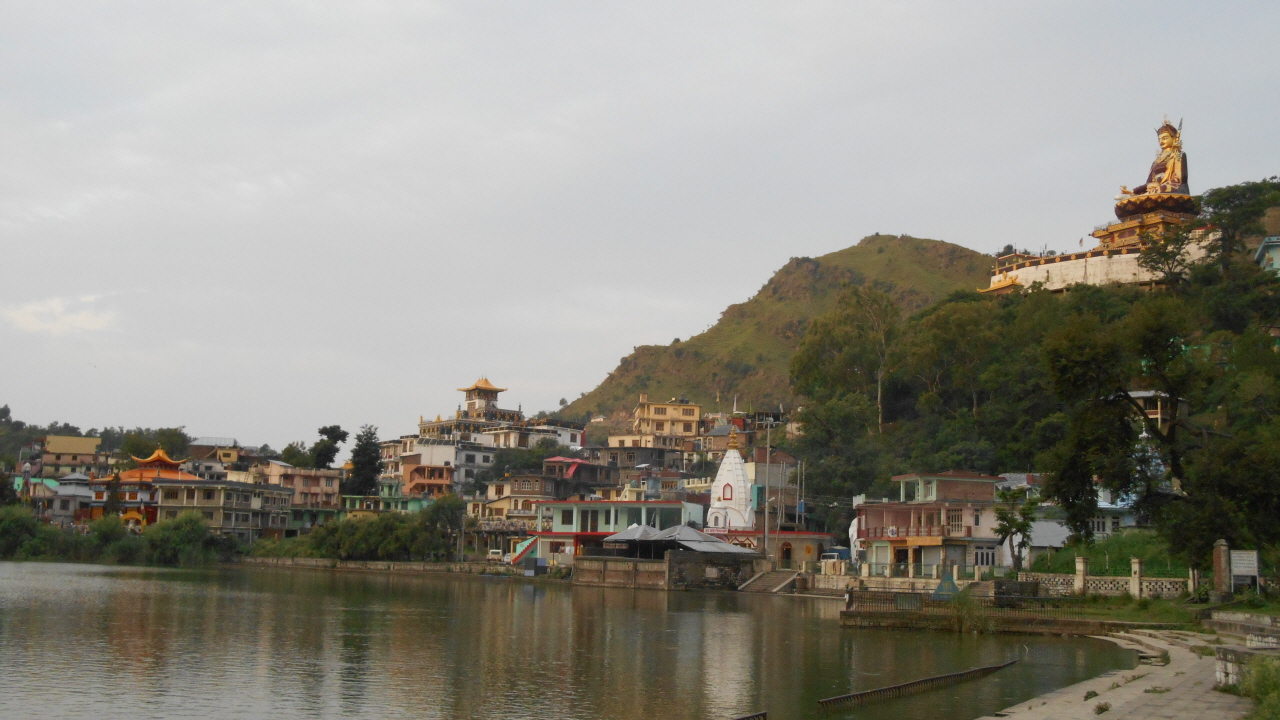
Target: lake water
[{"x": 86, "y": 641}]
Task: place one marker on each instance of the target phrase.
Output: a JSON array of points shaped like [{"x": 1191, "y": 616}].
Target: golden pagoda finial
[{"x": 733, "y": 437}]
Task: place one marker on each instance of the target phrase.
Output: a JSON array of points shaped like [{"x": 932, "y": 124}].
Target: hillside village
[{"x": 859, "y": 470}]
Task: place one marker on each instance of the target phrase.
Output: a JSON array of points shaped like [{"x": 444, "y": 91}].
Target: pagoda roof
[
  {"x": 1004, "y": 283},
  {"x": 482, "y": 384},
  {"x": 159, "y": 458}
]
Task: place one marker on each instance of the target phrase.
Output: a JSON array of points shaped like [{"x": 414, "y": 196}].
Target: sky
[{"x": 251, "y": 219}]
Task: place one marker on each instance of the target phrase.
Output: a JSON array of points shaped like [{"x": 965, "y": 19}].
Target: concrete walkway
[{"x": 1181, "y": 690}]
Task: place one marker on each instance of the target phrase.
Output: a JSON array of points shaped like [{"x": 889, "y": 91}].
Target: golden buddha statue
[{"x": 1166, "y": 185}]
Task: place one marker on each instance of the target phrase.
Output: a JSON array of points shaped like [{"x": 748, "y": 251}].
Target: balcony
[{"x": 890, "y": 532}]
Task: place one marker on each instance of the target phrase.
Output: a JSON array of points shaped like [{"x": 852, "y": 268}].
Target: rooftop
[{"x": 482, "y": 384}]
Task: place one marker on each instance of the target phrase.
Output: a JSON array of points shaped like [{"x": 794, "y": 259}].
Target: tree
[
  {"x": 366, "y": 463},
  {"x": 326, "y": 448},
  {"x": 142, "y": 442},
  {"x": 297, "y": 455},
  {"x": 852, "y": 349},
  {"x": 112, "y": 504},
  {"x": 8, "y": 495},
  {"x": 1235, "y": 213},
  {"x": 1015, "y": 512}
]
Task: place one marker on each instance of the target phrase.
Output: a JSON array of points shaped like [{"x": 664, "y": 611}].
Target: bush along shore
[
  {"x": 428, "y": 535},
  {"x": 184, "y": 541}
]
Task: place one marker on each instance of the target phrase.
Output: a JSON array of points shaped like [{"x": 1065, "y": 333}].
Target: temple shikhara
[{"x": 1143, "y": 215}]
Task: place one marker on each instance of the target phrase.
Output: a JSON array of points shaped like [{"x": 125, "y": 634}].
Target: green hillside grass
[{"x": 747, "y": 352}]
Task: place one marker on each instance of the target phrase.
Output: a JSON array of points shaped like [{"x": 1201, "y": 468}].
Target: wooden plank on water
[{"x": 913, "y": 687}]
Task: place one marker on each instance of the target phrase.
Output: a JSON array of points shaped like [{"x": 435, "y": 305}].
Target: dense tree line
[
  {"x": 1039, "y": 382},
  {"x": 430, "y": 534},
  {"x": 141, "y": 442},
  {"x": 183, "y": 541}
]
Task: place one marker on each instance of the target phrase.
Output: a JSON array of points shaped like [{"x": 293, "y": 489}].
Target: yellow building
[
  {"x": 677, "y": 417},
  {"x": 63, "y": 455}
]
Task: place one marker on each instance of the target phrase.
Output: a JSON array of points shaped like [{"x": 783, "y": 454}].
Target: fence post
[
  {"x": 865, "y": 568},
  {"x": 1082, "y": 572},
  {"x": 1135, "y": 577}
]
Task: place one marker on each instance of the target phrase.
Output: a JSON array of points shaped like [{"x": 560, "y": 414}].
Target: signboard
[
  {"x": 1244, "y": 568},
  {"x": 1244, "y": 562}
]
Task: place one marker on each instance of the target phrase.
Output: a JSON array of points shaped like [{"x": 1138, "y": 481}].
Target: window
[
  {"x": 64, "y": 504},
  {"x": 191, "y": 494},
  {"x": 715, "y": 521},
  {"x": 727, "y": 492},
  {"x": 635, "y": 443},
  {"x": 688, "y": 427},
  {"x": 99, "y": 495},
  {"x": 208, "y": 514},
  {"x": 687, "y": 412},
  {"x": 208, "y": 495},
  {"x": 984, "y": 556},
  {"x": 170, "y": 494},
  {"x": 631, "y": 458},
  {"x": 499, "y": 490},
  {"x": 133, "y": 496},
  {"x": 557, "y": 547},
  {"x": 659, "y": 426},
  {"x": 566, "y": 517},
  {"x": 573, "y": 437},
  {"x": 171, "y": 514},
  {"x": 471, "y": 459},
  {"x": 328, "y": 482},
  {"x": 659, "y": 411},
  {"x": 955, "y": 522},
  {"x": 977, "y": 518}
]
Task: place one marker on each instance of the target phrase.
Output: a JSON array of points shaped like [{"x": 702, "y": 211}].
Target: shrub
[
  {"x": 1261, "y": 681},
  {"x": 128, "y": 550},
  {"x": 1143, "y": 603},
  {"x": 17, "y": 527},
  {"x": 1101, "y": 708},
  {"x": 184, "y": 541}
]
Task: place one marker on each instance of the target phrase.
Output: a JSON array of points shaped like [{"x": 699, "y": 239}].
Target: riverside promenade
[{"x": 1180, "y": 690}]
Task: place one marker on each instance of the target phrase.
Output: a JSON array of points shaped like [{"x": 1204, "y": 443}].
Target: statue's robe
[{"x": 1168, "y": 175}]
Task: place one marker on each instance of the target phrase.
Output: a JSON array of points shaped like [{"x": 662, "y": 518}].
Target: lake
[{"x": 88, "y": 641}]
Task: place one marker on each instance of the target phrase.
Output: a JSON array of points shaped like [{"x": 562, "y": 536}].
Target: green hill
[{"x": 747, "y": 352}]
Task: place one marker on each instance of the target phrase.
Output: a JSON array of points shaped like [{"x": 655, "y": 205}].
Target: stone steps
[{"x": 769, "y": 582}]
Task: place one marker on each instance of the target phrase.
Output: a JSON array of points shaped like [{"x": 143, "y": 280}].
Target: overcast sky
[{"x": 256, "y": 218}]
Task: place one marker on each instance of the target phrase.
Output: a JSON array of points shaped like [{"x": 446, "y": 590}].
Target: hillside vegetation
[
  {"x": 747, "y": 352},
  {"x": 1053, "y": 384}
]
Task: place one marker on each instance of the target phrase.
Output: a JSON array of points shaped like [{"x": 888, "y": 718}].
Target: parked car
[
  {"x": 836, "y": 553},
  {"x": 495, "y": 555}
]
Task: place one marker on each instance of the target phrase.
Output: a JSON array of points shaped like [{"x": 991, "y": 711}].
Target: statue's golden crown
[{"x": 1168, "y": 127}]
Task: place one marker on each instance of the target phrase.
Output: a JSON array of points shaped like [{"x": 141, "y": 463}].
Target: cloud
[{"x": 59, "y": 316}]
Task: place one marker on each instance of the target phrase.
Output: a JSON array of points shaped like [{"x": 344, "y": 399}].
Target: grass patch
[
  {"x": 1090, "y": 695},
  {"x": 1101, "y": 708},
  {"x": 1151, "y": 610},
  {"x": 1203, "y": 650},
  {"x": 1110, "y": 556}
]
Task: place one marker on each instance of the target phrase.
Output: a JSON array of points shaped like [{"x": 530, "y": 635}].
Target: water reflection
[{"x": 98, "y": 642}]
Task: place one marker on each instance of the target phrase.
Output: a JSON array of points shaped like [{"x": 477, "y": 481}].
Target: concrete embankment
[
  {"x": 1030, "y": 625},
  {"x": 1183, "y": 689},
  {"x": 465, "y": 568}
]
